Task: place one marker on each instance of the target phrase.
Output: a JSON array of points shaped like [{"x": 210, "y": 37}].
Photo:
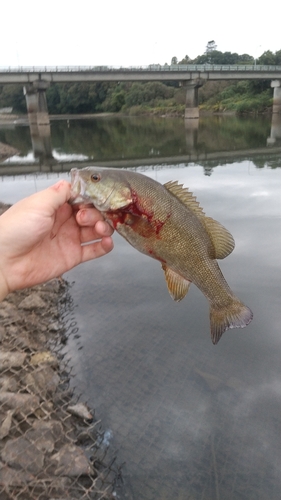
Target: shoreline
[{"x": 50, "y": 442}]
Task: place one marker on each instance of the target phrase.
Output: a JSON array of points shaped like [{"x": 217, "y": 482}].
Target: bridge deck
[{"x": 153, "y": 72}]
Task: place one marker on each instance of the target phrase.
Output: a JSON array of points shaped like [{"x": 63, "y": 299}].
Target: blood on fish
[{"x": 140, "y": 221}]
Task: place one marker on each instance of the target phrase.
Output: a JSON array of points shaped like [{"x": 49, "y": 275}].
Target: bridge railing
[{"x": 151, "y": 67}]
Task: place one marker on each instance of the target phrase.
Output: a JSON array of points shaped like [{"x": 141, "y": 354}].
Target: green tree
[
  {"x": 12, "y": 96},
  {"x": 267, "y": 58},
  {"x": 245, "y": 59},
  {"x": 185, "y": 60},
  {"x": 203, "y": 59},
  {"x": 144, "y": 93},
  {"x": 278, "y": 57}
]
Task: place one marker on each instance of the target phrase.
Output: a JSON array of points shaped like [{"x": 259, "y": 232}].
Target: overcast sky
[{"x": 127, "y": 33}]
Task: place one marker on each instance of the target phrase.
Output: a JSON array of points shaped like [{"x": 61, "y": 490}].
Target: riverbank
[
  {"x": 7, "y": 119},
  {"x": 51, "y": 445},
  {"x": 7, "y": 151}
]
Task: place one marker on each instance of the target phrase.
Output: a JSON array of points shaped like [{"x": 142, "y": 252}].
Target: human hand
[{"x": 41, "y": 237}]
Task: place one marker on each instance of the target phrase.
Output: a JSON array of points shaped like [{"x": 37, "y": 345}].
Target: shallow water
[{"x": 191, "y": 420}]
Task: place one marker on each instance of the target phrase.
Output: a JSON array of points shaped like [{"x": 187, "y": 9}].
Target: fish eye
[{"x": 95, "y": 177}]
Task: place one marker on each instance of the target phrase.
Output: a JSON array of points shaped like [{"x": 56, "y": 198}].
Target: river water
[{"x": 189, "y": 420}]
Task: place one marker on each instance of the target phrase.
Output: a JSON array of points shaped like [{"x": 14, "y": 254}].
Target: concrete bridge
[{"x": 37, "y": 79}]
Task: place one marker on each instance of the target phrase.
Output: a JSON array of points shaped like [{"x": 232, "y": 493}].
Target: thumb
[{"x": 55, "y": 196}]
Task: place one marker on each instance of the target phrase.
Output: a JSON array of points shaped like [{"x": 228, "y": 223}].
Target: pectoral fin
[{"x": 177, "y": 286}]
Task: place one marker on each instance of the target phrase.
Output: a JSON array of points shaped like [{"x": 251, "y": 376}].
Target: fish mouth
[{"x": 78, "y": 188}]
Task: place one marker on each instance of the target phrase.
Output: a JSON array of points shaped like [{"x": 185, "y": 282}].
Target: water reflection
[
  {"x": 129, "y": 141},
  {"x": 41, "y": 142}
]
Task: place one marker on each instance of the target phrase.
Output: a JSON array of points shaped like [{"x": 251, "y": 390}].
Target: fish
[{"x": 166, "y": 222}]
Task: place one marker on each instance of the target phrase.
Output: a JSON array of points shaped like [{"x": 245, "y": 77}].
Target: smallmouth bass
[{"x": 167, "y": 223}]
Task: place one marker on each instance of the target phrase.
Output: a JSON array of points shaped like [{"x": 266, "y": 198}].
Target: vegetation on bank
[{"x": 155, "y": 97}]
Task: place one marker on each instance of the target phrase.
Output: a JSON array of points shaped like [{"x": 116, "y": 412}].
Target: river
[{"x": 189, "y": 420}]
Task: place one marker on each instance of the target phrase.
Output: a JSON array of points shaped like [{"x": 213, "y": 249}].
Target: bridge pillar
[
  {"x": 36, "y": 102},
  {"x": 275, "y": 132},
  {"x": 276, "y": 85},
  {"x": 38, "y": 117},
  {"x": 191, "y": 99}
]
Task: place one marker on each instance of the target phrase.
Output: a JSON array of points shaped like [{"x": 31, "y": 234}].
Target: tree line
[
  {"x": 155, "y": 97},
  {"x": 214, "y": 56}
]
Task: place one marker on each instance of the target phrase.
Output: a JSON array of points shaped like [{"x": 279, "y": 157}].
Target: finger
[
  {"x": 103, "y": 228},
  {"x": 88, "y": 216},
  {"x": 92, "y": 217},
  {"x": 53, "y": 197},
  {"x": 97, "y": 232},
  {"x": 88, "y": 234},
  {"x": 97, "y": 249}
]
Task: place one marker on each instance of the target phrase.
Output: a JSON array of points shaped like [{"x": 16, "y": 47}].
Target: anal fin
[{"x": 177, "y": 286}]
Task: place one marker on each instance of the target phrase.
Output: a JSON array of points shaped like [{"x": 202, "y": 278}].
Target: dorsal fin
[
  {"x": 185, "y": 196},
  {"x": 223, "y": 242}
]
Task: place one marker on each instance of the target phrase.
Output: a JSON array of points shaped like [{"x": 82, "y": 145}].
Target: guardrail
[{"x": 151, "y": 67}]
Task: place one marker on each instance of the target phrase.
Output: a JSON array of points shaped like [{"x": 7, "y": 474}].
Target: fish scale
[{"x": 167, "y": 223}]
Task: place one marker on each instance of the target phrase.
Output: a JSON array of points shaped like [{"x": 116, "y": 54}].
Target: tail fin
[{"x": 234, "y": 315}]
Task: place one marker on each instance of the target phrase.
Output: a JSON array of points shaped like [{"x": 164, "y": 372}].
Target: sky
[{"x": 132, "y": 33}]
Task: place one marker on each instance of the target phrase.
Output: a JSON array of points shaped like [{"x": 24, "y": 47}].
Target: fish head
[{"x": 107, "y": 189}]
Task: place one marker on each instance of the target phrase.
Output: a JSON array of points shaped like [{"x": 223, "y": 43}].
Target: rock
[
  {"x": 9, "y": 312},
  {"x": 6, "y": 424},
  {"x": 12, "y": 477},
  {"x": 42, "y": 381},
  {"x": 54, "y": 327},
  {"x": 71, "y": 461},
  {"x": 61, "y": 485},
  {"x": 2, "y": 333},
  {"x": 45, "y": 357},
  {"x": 52, "y": 285},
  {"x": 11, "y": 359},
  {"x": 32, "y": 301},
  {"x": 45, "y": 434},
  {"x": 80, "y": 410},
  {"x": 54, "y": 426},
  {"x": 8, "y": 384},
  {"x": 42, "y": 438},
  {"x": 45, "y": 408},
  {"x": 21, "y": 339},
  {"x": 24, "y": 404},
  {"x": 20, "y": 452},
  {"x": 12, "y": 330}
]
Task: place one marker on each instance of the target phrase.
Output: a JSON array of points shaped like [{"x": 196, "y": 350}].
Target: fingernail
[{"x": 84, "y": 215}]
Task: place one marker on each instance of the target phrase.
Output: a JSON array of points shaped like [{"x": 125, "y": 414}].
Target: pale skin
[{"x": 41, "y": 238}]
